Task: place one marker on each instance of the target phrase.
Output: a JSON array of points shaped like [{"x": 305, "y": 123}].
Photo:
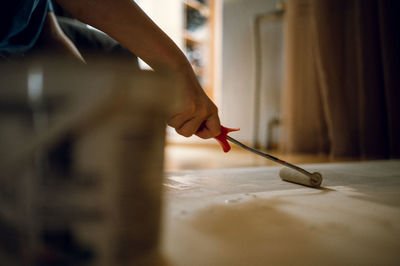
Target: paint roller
[{"x": 291, "y": 173}]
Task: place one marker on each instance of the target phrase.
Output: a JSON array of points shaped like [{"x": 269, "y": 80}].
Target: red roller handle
[{"x": 221, "y": 138}]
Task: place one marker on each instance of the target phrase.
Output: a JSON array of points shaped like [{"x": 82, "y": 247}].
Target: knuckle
[
  {"x": 172, "y": 123},
  {"x": 183, "y": 132},
  {"x": 175, "y": 122}
]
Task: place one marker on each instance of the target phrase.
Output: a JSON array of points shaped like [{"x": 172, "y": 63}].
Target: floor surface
[{"x": 248, "y": 216}]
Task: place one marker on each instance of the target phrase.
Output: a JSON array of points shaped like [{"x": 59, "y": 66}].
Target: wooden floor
[
  {"x": 197, "y": 156},
  {"x": 230, "y": 210},
  {"x": 248, "y": 216}
]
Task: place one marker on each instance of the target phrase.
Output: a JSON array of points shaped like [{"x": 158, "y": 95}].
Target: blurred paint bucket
[{"x": 85, "y": 172}]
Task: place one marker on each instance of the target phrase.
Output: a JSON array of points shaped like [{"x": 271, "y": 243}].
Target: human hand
[{"x": 199, "y": 114}]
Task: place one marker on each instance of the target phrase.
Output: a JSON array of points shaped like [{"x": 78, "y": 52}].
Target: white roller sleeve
[{"x": 290, "y": 175}]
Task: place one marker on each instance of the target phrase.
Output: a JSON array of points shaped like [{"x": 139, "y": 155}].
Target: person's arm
[{"x": 128, "y": 24}]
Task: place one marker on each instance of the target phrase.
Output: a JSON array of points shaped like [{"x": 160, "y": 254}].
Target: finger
[
  {"x": 214, "y": 125},
  {"x": 190, "y": 127},
  {"x": 183, "y": 116},
  {"x": 178, "y": 121},
  {"x": 211, "y": 128}
]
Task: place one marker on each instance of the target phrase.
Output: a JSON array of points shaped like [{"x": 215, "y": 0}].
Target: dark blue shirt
[{"x": 20, "y": 25}]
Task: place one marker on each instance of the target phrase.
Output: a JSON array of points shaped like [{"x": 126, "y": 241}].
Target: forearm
[{"x": 128, "y": 24}]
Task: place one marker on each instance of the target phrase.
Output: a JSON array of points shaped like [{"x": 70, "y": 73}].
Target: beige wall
[
  {"x": 238, "y": 65},
  {"x": 168, "y": 14}
]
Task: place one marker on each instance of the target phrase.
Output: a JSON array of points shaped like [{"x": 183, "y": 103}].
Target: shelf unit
[{"x": 198, "y": 34}]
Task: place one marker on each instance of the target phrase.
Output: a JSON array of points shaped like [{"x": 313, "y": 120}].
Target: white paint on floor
[{"x": 248, "y": 216}]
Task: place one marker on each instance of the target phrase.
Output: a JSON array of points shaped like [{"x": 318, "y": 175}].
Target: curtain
[{"x": 341, "y": 87}]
